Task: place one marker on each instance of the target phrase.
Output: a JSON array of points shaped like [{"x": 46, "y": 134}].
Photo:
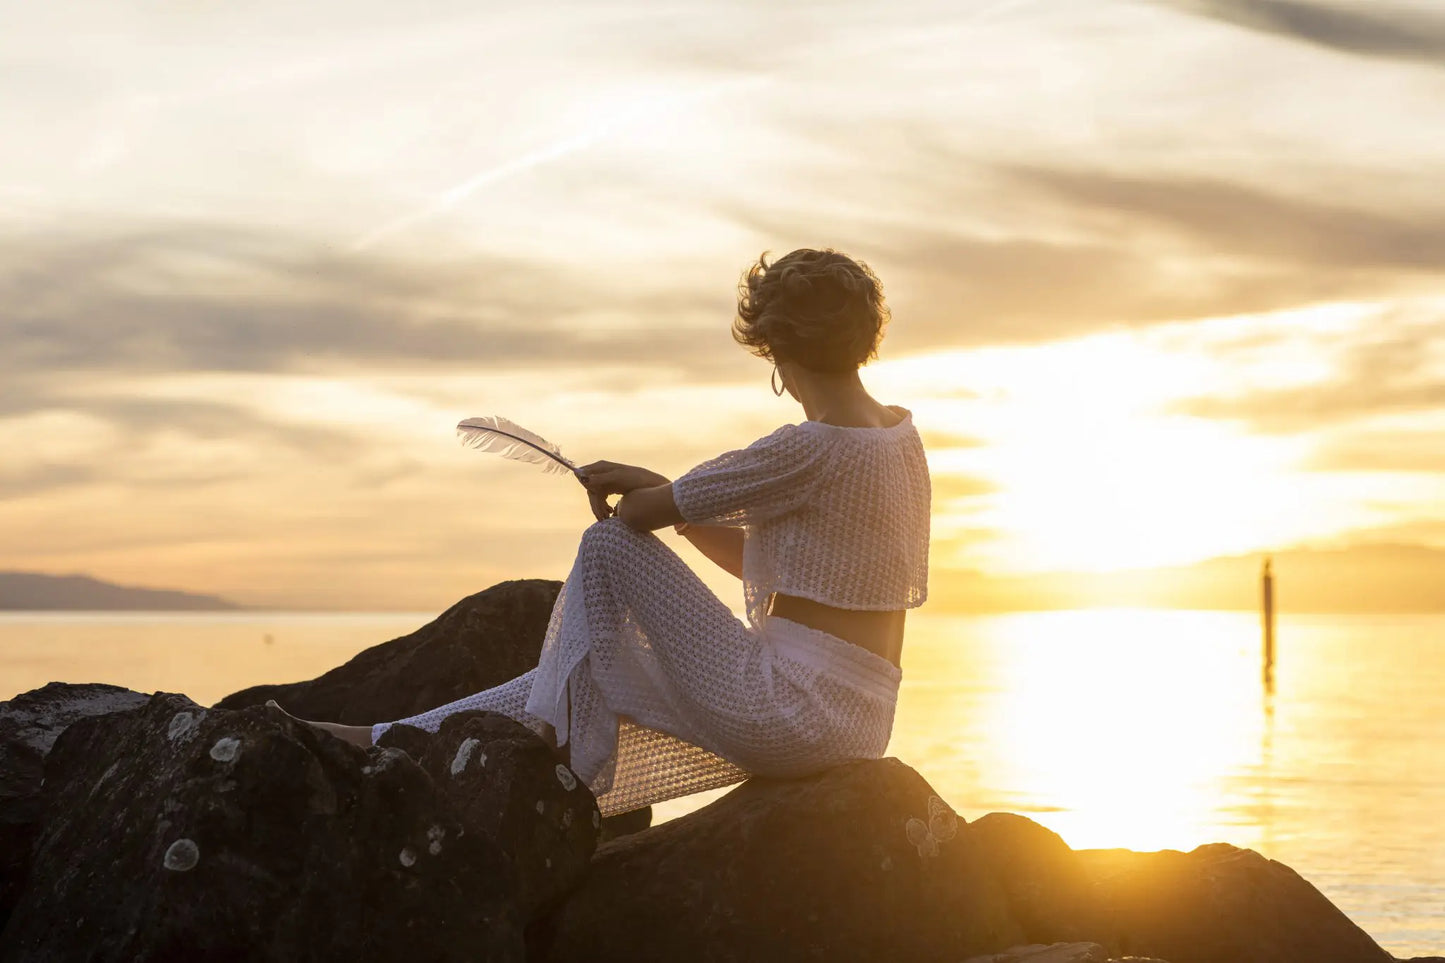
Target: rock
[
  {"x": 624, "y": 824},
  {"x": 1058, "y": 953},
  {"x": 1048, "y": 890},
  {"x": 862, "y": 862},
  {"x": 173, "y": 832},
  {"x": 29, "y": 725},
  {"x": 482, "y": 641},
  {"x": 1218, "y": 904},
  {"x": 1053, "y": 953},
  {"x": 508, "y": 784}
]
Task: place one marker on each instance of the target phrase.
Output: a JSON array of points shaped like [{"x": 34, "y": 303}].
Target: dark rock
[
  {"x": 1218, "y": 904},
  {"x": 482, "y": 641},
  {"x": 1051, "y": 953},
  {"x": 177, "y": 833},
  {"x": 1058, "y": 953},
  {"x": 29, "y": 725},
  {"x": 623, "y": 824},
  {"x": 862, "y": 862},
  {"x": 508, "y": 784},
  {"x": 1048, "y": 890}
]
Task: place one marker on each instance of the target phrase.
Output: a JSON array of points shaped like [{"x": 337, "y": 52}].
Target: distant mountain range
[{"x": 33, "y": 591}]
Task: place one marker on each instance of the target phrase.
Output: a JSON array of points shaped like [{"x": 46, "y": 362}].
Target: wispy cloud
[
  {"x": 1378, "y": 28},
  {"x": 230, "y": 299},
  {"x": 1394, "y": 365},
  {"x": 646, "y": 109},
  {"x": 1382, "y": 450}
]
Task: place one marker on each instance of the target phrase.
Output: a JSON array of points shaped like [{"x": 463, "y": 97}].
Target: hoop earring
[{"x": 777, "y": 389}]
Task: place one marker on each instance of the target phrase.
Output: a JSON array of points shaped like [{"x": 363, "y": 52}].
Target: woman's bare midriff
[{"x": 879, "y": 632}]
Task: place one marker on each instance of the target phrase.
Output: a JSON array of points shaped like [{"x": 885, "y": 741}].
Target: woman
[{"x": 646, "y": 679}]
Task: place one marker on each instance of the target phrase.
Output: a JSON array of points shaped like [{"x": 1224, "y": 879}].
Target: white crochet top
[{"x": 831, "y": 513}]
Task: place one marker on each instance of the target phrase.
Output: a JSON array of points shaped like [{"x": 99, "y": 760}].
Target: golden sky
[{"x": 1168, "y": 282}]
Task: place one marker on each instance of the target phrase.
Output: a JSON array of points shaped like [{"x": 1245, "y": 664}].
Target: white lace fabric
[
  {"x": 835, "y": 514},
  {"x": 660, "y": 691}
]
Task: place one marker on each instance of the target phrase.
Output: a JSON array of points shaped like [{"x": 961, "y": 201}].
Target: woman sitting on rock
[{"x": 646, "y": 679}]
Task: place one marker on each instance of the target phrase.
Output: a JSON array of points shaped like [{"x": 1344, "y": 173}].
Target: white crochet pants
[{"x": 661, "y": 691}]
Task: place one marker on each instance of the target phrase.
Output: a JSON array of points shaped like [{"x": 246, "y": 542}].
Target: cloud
[
  {"x": 949, "y": 487},
  {"x": 139, "y": 443},
  {"x": 959, "y": 291},
  {"x": 1248, "y": 223},
  {"x": 1393, "y": 31},
  {"x": 1015, "y": 253},
  {"x": 1382, "y": 451},
  {"x": 1389, "y": 368},
  {"x": 38, "y": 479},
  {"x": 1098, "y": 249},
  {"x": 223, "y": 299}
]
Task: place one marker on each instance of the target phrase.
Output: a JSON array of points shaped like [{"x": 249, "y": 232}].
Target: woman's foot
[{"x": 356, "y": 735}]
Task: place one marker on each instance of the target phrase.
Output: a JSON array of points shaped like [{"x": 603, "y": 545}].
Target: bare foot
[{"x": 356, "y": 735}]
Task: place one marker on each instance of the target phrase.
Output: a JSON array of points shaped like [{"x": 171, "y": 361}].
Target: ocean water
[{"x": 1146, "y": 729}]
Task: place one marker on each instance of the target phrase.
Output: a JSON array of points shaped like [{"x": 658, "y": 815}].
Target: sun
[{"x": 1083, "y": 465}]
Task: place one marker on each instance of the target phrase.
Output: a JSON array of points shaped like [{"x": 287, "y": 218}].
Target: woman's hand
[
  {"x": 600, "y": 508},
  {"x": 603, "y": 478},
  {"x": 611, "y": 478}
]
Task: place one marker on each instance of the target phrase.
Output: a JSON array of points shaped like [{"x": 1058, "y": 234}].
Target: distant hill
[{"x": 33, "y": 591}]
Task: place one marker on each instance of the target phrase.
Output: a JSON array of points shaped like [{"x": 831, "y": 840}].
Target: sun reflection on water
[{"x": 1113, "y": 727}]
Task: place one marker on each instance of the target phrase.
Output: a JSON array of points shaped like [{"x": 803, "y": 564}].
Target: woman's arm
[
  {"x": 647, "y": 508},
  {"x": 723, "y": 544}
]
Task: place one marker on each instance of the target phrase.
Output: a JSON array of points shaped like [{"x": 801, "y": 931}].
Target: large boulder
[
  {"x": 1218, "y": 904},
  {"x": 509, "y": 785},
  {"x": 29, "y": 725},
  {"x": 1049, "y": 892},
  {"x": 863, "y": 862},
  {"x": 173, "y": 832},
  {"x": 481, "y": 641}
]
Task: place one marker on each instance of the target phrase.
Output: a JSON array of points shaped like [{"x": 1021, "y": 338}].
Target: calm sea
[{"x": 1144, "y": 729}]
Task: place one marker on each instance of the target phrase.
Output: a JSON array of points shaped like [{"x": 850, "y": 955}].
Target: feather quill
[{"x": 511, "y": 440}]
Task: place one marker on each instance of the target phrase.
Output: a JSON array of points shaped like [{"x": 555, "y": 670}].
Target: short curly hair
[{"x": 818, "y": 309}]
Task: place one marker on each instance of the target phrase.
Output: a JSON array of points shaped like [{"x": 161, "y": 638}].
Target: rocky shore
[{"x": 139, "y": 827}]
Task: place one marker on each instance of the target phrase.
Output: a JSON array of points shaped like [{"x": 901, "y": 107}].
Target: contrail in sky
[
  {"x": 646, "y": 111},
  {"x": 454, "y": 195}
]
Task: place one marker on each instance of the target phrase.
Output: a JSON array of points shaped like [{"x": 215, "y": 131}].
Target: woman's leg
[
  {"x": 356, "y": 735},
  {"x": 509, "y": 698},
  {"x": 635, "y": 635}
]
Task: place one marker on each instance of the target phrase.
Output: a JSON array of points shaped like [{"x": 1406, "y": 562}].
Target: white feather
[{"x": 511, "y": 440}]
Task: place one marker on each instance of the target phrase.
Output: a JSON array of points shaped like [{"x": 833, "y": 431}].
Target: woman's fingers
[
  {"x": 603, "y": 481},
  {"x": 600, "y": 508},
  {"x": 594, "y": 467}
]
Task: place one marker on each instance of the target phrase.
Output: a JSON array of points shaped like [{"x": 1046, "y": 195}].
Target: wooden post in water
[{"x": 1268, "y": 585}]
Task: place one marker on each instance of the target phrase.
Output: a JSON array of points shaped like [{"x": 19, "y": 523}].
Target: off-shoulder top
[{"x": 831, "y": 513}]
